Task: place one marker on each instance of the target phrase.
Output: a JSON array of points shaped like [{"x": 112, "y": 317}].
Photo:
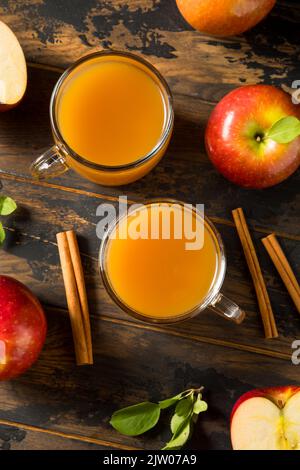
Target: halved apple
[
  {"x": 13, "y": 72},
  {"x": 267, "y": 419}
]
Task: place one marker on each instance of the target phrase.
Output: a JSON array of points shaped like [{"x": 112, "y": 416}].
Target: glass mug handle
[
  {"x": 50, "y": 164},
  {"x": 227, "y": 309}
]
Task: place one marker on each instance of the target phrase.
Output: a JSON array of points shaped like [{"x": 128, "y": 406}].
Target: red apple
[
  {"x": 267, "y": 419},
  {"x": 22, "y": 328},
  {"x": 236, "y": 139},
  {"x": 224, "y": 17},
  {"x": 13, "y": 71}
]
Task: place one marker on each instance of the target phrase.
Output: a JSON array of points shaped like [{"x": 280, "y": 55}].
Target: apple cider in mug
[
  {"x": 112, "y": 119},
  {"x": 167, "y": 274},
  {"x": 111, "y": 112}
]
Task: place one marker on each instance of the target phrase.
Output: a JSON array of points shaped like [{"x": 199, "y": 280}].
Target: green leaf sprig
[
  {"x": 285, "y": 130},
  {"x": 137, "y": 419},
  {"x": 7, "y": 207}
]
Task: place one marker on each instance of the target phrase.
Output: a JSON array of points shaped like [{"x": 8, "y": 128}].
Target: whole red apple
[
  {"x": 224, "y": 17},
  {"x": 267, "y": 419},
  {"x": 22, "y": 328},
  {"x": 236, "y": 137}
]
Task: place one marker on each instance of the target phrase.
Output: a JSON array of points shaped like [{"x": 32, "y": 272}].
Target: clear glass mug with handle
[
  {"x": 59, "y": 158},
  {"x": 114, "y": 251}
]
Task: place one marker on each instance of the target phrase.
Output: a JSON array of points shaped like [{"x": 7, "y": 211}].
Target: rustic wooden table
[{"x": 57, "y": 405}]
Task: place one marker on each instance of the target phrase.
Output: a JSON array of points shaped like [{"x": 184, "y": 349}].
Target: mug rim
[
  {"x": 111, "y": 168},
  {"x": 208, "y": 299}
]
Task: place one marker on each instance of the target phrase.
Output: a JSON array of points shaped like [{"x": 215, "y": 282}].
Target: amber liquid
[
  {"x": 160, "y": 278},
  {"x": 111, "y": 111}
]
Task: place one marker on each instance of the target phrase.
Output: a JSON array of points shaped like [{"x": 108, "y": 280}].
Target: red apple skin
[
  {"x": 23, "y": 328},
  {"x": 224, "y": 17},
  {"x": 231, "y": 132}
]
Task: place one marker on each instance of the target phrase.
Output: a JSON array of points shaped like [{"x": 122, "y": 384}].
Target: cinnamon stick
[
  {"x": 73, "y": 301},
  {"x": 79, "y": 276},
  {"x": 256, "y": 274},
  {"x": 283, "y": 267}
]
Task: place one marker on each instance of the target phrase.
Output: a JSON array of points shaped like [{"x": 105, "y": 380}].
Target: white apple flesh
[
  {"x": 291, "y": 413},
  {"x": 270, "y": 422},
  {"x": 13, "y": 71}
]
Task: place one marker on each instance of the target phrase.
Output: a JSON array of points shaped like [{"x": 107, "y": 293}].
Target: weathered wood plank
[
  {"x": 31, "y": 254},
  {"x": 58, "y": 33},
  {"x": 24, "y": 437},
  {"x": 57, "y": 395},
  {"x": 184, "y": 173}
]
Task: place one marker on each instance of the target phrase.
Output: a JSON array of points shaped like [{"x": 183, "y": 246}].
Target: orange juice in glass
[
  {"x": 165, "y": 275},
  {"x": 111, "y": 117}
]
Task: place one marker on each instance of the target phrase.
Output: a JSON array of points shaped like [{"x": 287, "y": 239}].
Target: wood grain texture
[
  {"x": 16, "y": 437},
  {"x": 58, "y": 32},
  {"x": 57, "y": 395},
  {"x": 73, "y": 405},
  {"x": 31, "y": 250},
  {"x": 184, "y": 173}
]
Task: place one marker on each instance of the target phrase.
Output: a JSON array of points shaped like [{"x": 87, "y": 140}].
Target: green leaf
[
  {"x": 7, "y": 205},
  {"x": 137, "y": 419},
  {"x": 184, "y": 406},
  {"x": 176, "y": 422},
  {"x": 170, "y": 401},
  {"x": 182, "y": 412},
  {"x": 285, "y": 130},
  {"x": 181, "y": 437},
  {"x": 199, "y": 405},
  {"x": 2, "y": 234},
  {"x": 173, "y": 400}
]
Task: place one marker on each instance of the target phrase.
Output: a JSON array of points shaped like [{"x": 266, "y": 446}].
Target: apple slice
[
  {"x": 267, "y": 419},
  {"x": 13, "y": 72}
]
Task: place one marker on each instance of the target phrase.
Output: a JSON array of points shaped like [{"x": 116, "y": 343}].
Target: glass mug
[
  {"x": 111, "y": 117},
  {"x": 158, "y": 280}
]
